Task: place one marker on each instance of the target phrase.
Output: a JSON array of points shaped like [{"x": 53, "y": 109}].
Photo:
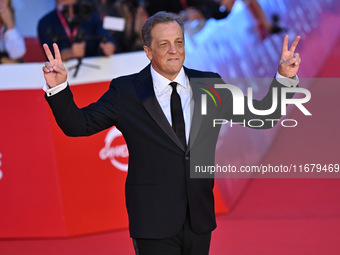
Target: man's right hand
[{"x": 54, "y": 70}]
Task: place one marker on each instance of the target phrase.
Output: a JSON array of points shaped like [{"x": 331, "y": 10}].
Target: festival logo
[{"x": 115, "y": 150}]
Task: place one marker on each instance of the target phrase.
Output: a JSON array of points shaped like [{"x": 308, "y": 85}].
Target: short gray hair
[{"x": 159, "y": 17}]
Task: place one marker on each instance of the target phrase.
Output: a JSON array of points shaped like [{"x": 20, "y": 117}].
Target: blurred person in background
[
  {"x": 194, "y": 13},
  {"x": 12, "y": 45},
  {"x": 78, "y": 30},
  {"x": 265, "y": 27},
  {"x": 134, "y": 15},
  {"x": 202, "y": 10}
]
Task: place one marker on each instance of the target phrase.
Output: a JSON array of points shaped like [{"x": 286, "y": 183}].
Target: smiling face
[{"x": 167, "y": 49}]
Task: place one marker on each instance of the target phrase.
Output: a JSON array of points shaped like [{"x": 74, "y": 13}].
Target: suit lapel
[
  {"x": 197, "y": 116},
  {"x": 146, "y": 94}
]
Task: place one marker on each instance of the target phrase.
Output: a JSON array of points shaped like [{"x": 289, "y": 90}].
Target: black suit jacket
[{"x": 159, "y": 190}]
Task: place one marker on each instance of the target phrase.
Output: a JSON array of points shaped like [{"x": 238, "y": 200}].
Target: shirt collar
[{"x": 160, "y": 82}]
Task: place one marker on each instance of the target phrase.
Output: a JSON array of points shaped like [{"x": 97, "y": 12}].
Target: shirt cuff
[
  {"x": 288, "y": 82},
  {"x": 52, "y": 91},
  {"x": 12, "y": 34},
  {"x": 14, "y": 44}
]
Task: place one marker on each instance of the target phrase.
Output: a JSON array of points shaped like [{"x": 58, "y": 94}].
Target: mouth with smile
[{"x": 173, "y": 59}]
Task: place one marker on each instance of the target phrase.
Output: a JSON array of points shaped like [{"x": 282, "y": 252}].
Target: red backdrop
[{"x": 53, "y": 185}]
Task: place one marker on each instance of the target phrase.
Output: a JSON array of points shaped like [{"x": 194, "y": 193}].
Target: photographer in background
[
  {"x": 77, "y": 29},
  {"x": 12, "y": 45},
  {"x": 134, "y": 15}
]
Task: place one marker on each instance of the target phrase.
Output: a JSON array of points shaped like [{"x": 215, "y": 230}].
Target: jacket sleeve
[{"x": 89, "y": 120}]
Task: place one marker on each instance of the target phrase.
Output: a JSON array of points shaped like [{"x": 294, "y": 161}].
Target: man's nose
[{"x": 172, "y": 48}]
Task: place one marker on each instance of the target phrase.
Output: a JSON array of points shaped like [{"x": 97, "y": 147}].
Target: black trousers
[{"x": 186, "y": 242}]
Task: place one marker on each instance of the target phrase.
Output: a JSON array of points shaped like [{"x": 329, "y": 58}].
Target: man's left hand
[{"x": 289, "y": 61}]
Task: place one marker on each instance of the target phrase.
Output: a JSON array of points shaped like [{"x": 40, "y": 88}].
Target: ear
[{"x": 148, "y": 52}]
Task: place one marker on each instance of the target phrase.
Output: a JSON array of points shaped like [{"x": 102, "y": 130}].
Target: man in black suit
[{"x": 156, "y": 110}]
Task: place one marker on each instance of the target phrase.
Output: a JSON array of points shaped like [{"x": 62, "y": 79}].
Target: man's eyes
[{"x": 166, "y": 44}]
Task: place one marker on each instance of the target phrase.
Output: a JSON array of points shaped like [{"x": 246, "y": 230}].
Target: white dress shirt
[{"x": 163, "y": 94}]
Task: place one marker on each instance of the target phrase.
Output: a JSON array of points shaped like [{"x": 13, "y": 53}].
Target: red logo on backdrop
[{"x": 115, "y": 150}]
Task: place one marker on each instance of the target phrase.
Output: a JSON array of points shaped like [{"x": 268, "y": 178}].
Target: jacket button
[{"x": 187, "y": 158}]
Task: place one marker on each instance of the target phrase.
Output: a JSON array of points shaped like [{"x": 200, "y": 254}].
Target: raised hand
[
  {"x": 6, "y": 16},
  {"x": 54, "y": 70},
  {"x": 289, "y": 61}
]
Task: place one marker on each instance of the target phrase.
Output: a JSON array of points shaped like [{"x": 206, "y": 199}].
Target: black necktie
[{"x": 177, "y": 115}]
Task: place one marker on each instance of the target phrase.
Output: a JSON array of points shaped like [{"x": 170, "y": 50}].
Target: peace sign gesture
[
  {"x": 54, "y": 70},
  {"x": 289, "y": 61}
]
